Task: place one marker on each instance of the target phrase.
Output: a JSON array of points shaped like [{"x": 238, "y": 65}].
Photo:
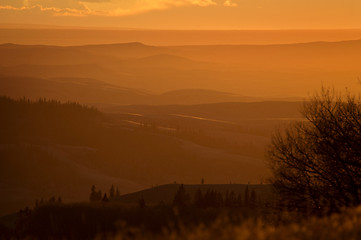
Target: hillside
[
  {"x": 60, "y": 71},
  {"x": 165, "y": 193},
  {"x": 314, "y": 55},
  {"x": 124, "y": 50},
  {"x": 226, "y": 111},
  {"x": 246, "y": 70},
  {"x": 75, "y": 147},
  {"x": 99, "y": 93},
  {"x": 83, "y": 90}
]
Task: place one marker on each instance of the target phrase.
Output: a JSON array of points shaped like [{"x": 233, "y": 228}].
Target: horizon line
[{"x": 75, "y": 27}]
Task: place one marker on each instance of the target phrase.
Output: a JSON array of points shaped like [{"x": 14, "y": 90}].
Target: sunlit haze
[
  {"x": 180, "y": 119},
  {"x": 186, "y": 14}
]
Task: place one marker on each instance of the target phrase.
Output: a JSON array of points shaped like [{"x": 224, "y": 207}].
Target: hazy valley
[
  {"x": 167, "y": 113},
  {"x": 147, "y": 119}
]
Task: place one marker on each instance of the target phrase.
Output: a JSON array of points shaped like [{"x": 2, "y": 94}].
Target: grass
[
  {"x": 112, "y": 221},
  {"x": 345, "y": 225}
]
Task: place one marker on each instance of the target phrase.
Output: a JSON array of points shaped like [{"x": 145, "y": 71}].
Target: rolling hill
[
  {"x": 270, "y": 71},
  {"x": 98, "y": 93},
  {"x": 75, "y": 147},
  {"x": 124, "y": 50},
  {"x": 227, "y": 111},
  {"x": 165, "y": 193},
  {"x": 60, "y": 71},
  {"x": 81, "y": 90}
]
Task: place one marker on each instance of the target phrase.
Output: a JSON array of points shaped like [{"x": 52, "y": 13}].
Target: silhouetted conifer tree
[
  {"x": 198, "y": 198},
  {"x": 246, "y": 197},
  {"x": 239, "y": 200},
  {"x": 105, "y": 198},
  {"x": 112, "y": 192},
  {"x": 253, "y": 199},
  {"x": 93, "y": 194},
  {"x": 230, "y": 200},
  {"x": 117, "y": 194},
  {"x": 213, "y": 199},
  {"x": 99, "y": 195},
  {"x": 181, "y": 198},
  {"x": 52, "y": 199}
]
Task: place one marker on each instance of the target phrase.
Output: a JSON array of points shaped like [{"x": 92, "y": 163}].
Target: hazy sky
[{"x": 186, "y": 14}]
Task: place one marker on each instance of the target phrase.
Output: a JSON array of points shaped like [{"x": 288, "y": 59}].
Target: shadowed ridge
[
  {"x": 129, "y": 45},
  {"x": 32, "y": 46},
  {"x": 165, "y": 193},
  {"x": 165, "y": 59}
]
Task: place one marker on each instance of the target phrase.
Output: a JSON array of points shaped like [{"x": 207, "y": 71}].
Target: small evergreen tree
[
  {"x": 105, "y": 198},
  {"x": 199, "y": 199},
  {"x": 98, "y": 196},
  {"x": 239, "y": 200},
  {"x": 253, "y": 199},
  {"x": 181, "y": 198},
  {"x": 93, "y": 194},
  {"x": 246, "y": 197},
  {"x": 117, "y": 194},
  {"x": 230, "y": 200},
  {"x": 112, "y": 192}
]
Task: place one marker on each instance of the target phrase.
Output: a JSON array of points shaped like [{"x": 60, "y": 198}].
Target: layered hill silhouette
[
  {"x": 227, "y": 111},
  {"x": 74, "y": 147},
  {"x": 248, "y": 70},
  {"x": 60, "y": 71},
  {"x": 124, "y": 50},
  {"x": 318, "y": 54},
  {"x": 84, "y": 90},
  {"x": 99, "y": 93},
  {"x": 176, "y": 113}
]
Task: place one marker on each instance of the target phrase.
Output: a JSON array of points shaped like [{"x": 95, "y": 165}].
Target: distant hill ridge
[
  {"x": 143, "y": 45},
  {"x": 278, "y": 70},
  {"x": 165, "y": 193},
  {"x": 90, "y": 91}
]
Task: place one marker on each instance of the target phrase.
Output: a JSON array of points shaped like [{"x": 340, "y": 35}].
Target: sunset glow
[
  {"x": 186, "y": 14},
  {"x": 180, "y": 119}
]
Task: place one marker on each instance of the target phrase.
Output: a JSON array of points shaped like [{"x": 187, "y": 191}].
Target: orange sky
[{"x": 186, "y": 14}]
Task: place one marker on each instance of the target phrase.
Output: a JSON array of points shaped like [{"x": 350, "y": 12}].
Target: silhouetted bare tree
[{"x": 317, "y": 163}]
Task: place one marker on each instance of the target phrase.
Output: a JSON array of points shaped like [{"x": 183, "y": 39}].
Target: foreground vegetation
[
  {"x": 345, "y": 225},
  {"x": 316, "y": 175},
  {"x": 112, "y": 221},
  {"x": 202, "y": 215}
]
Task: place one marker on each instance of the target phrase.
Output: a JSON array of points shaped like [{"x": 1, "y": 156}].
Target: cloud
[
  {"x": 95, "y": 1},
  {"x": 54, "y": 10},
  {"x": 98, "y": 7},
  {"x": 229, "y": 3}
]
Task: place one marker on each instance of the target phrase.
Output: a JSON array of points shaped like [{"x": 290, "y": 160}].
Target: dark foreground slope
[
  {"x": 174, "y": 208},
  {"x": 50, "y": 148},
  {"x": 84, "y": 225}
]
